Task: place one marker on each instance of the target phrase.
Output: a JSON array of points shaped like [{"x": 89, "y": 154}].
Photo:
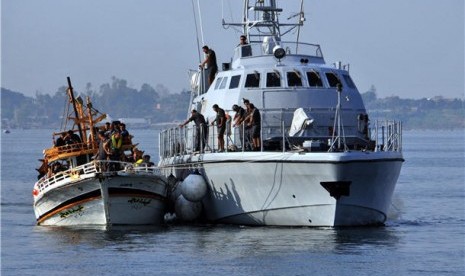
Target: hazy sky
[{"x": 407, "y": 48}]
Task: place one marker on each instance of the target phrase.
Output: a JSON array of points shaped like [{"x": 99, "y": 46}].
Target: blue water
[{"x": 425, "y": 233}]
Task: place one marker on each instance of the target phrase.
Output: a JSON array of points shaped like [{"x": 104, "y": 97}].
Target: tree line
[
  {"x": 116, "y": 98},
  {"x": 157, "y": 105},
  {"x": 426, "y": 113}
]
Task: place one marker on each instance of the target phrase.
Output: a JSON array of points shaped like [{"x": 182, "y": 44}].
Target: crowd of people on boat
[
  {"x": 246, "y": 119},
  {"x": 67, "y": 138},
  {"x": 113, "y": 139}
]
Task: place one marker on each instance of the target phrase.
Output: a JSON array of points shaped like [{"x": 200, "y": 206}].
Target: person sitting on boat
[
  {"x": 246, "y": 49},
  {"x": 221, "y": 125},
  {"x": 72, "y": 138},
  {"x": 137, "y": 156},
  {"x": 146, "y": 161},
  {"x": 201, "y": 128},
  {"x": 238, "y": 120},
  {"x": 56, "y": 168},
  {"x": 61, "y": 140},
  {"x": 210, "y": 61}
]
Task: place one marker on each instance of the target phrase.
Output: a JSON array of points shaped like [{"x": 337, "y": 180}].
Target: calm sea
[{"x": 425, "y": 234}]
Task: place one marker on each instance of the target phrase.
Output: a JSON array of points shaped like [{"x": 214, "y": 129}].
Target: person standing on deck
[
  {"x": 210, "y": 61},
  {"x": 201, "y": 129},
  {"x": 253, "y": 120},
  {"x": 246, "y": 50},
  {"x": 238, "y": 121},
  {"x": 221, "y": 125}
]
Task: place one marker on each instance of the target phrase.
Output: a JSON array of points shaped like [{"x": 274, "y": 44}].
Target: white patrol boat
[
  {"x": 74, "y": 189},
  {"x": 321, "y": 162}
]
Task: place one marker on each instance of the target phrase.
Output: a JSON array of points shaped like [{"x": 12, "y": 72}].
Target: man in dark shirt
[
  {"x": 210, "y": 61},
  {"x": 239, "y": 118},
  {"x": 221, "y": 125},
  {"x": 72, "y": 138},
  {"x": 246, "y": 50},
  {"x": 254, "y": 121},
  {"x": 61, "y": 140},
  {"x": 201, "y": 129},
  {"x": 103, "y": 150}
]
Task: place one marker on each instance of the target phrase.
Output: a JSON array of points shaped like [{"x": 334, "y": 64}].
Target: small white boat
[
  {"x": 319, "y": 160},
  {"x": 83, "y": 191}
]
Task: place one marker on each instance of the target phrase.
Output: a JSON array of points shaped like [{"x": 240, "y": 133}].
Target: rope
[
  {"x": 200, "y": 22},
  {"x": 196, "y": 31}
]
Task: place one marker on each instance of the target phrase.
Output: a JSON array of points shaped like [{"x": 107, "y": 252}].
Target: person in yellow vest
[
  {"x": 137, "y": 155},
  {"x": 116, "y": 146}
]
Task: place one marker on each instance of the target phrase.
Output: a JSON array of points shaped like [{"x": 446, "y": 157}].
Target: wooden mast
[{"x": 76, "y": 113}]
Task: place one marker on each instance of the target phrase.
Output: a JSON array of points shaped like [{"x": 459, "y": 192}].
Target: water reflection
[
  {"x": 98, "y": 236},
  {"x": 278, "y": 240},
  {"x": 213, "y": 240}
]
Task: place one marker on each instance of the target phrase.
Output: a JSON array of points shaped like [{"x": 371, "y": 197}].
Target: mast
[
  {"x": 91, "y": 123},
  {"x": 338, "y": 128},
  {"x": 260, "y": 20},
  {"x": 76, "y": 113}
]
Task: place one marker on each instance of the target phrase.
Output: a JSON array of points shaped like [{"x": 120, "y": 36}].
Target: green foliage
[
  {"x": 433, "y": 113},
  {"x": 159, "y": 106},
  {"x": 116, "y": 99}
]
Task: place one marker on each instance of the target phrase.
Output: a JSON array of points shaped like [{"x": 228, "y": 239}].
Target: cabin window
[
  {"x": 294, "y": 79},
  {"x": 333, "y": 80},
  {"x": 314, "y": 79},
  {"x": 273, "y": 79},
  {"x": 349, "y": 81},
  {"x": 252, "y": 80},
  {"x": 223, "y": 83},
  {"x": 218, "y": 82},
  {"x": 234, "y": 82}
]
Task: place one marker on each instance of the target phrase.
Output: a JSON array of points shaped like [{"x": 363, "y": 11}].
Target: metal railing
[
  {"x": 383, "y": 136},
  {"x": 387, "y": 135},
  {"x": 291, "y": 47},
  {"x": 104, "y": 167}
]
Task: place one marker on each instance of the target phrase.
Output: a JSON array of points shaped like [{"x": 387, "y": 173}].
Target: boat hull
[
  {"x": 116, "y": 198},
  {"x": 292, "y": 189}
]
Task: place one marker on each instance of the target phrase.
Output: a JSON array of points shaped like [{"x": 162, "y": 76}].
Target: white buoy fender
[
  {"x": 194, "y": 187},
  {"x": 187, "y": 210}
]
